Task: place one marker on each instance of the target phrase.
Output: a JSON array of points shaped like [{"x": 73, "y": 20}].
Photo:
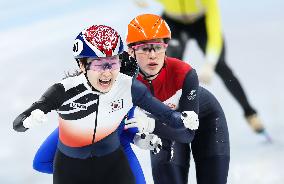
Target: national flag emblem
[{"x": 116, "y": 105}]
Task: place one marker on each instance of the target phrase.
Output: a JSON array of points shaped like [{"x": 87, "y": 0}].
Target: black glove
[
  {"x": 128, "y": 64},
  {"x": 18, "y": 123}
]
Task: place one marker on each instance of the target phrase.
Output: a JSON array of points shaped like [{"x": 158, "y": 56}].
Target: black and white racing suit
[{"x": 88, "y": 122}]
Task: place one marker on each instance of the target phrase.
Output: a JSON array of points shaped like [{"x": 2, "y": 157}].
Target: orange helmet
[{"x": 147, "y": 27}]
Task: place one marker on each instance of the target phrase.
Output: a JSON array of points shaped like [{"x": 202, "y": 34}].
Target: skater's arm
[
  {"x": 50, "y": 100},
  {"x": 144, "y": 99}
]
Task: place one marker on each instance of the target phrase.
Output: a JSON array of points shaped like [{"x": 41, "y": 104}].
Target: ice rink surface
[{"x": 36, "y": 49}]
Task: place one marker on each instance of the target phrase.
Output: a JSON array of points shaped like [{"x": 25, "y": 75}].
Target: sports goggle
[
  {"x": 146, "y": 48},
  {"x": 102, "y": 64}
]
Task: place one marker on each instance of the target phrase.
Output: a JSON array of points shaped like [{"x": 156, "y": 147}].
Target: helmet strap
[
  {"x": 85, "y": 74},
  {"x": 146, "y": 77},
  {"x": 93, "y": 89}
]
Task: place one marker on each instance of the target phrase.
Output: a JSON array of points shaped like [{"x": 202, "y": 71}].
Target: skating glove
[
  {"x": 144, "y": 124},
  {"x": 206, "y": 73},
  {"x": 190, "y": 120},
  {"x": 36, "y": 118},
  {"x": 141, "y": 121},
  {"x": 148, "y": 141},
  {"x": 141, "y": 3}
]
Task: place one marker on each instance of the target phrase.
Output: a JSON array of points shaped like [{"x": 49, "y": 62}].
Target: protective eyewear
[
  {"x": 102, "y": 64},
  {"x": 146, "y": 48}
]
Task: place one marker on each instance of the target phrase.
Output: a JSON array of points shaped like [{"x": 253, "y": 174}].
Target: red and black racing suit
[{"x": 177, "y": 86}]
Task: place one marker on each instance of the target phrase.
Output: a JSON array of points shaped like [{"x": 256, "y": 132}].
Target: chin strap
[
  {"x": 85, "y": 74},
  {"x": 88, "y": 82},
  {"x": 145, "y": 76}
]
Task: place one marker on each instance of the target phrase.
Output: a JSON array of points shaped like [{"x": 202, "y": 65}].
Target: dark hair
[
  {"x": 71, "y": 74},
  {"x": 76, "y": 72},
  {"x": 129, "y": 64}
]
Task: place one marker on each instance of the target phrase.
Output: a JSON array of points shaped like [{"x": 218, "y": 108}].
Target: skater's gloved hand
[
  {"x": 36, "y": 118},
  {"x": 148, "y": 141},
  {"x": 143, "y": 123},
  {"x": 140, "y": 120},
  {"x": 141, "y": 3},
  {"x": 190, "y": 120},
  {"x": 206, "y": 73}
]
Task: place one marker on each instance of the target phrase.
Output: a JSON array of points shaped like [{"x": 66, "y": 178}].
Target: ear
[
  {"x": 130, "y": 52},
  {"x": 82, "y": 67}
]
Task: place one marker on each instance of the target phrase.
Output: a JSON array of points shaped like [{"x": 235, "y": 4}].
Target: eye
[
  {"x": 145, "y": 49},
  {"x": 157, "y": 47}
]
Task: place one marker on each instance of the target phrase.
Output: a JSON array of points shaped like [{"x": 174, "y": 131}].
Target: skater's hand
[
  {"x": 36, "y": 118},
  {"x": 190, "y": 120},
  {"x": 141, "y": 3},
  {"x": 143, "y": 123},
  {"x": 148, "y": 141},
  {"x": 206, "y": 73}
]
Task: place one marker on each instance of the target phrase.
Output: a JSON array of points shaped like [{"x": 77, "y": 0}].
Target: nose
[
  {"x": 106, "y": 72},
  {"x": 152, "y": 53}
]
